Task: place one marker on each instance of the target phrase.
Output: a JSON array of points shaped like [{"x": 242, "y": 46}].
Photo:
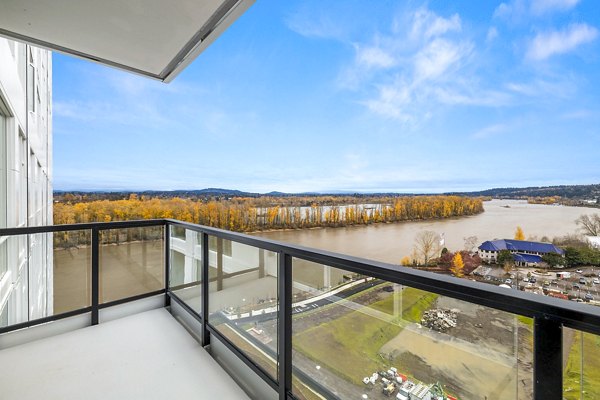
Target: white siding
[{"x": 25, "y": 180}]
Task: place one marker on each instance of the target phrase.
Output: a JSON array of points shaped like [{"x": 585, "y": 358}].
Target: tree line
[{"x": 252, "y": 214}]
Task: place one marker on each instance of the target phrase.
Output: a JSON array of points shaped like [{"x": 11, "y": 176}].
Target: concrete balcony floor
[{"x": 143, "y": 356}]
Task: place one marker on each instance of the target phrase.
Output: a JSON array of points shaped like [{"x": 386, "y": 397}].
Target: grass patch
[
  {"x": 412, "y": 301},
  {"x": 350, "y": 345},
  {"x": 525, "y": 320},
  {"x": 591, "y": 368}
]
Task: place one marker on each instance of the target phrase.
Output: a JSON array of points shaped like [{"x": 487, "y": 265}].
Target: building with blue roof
[{"x": 525, "y": 253}]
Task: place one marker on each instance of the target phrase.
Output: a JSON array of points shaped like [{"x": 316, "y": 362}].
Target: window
[
  {"x": 31, "y": 103},
  {"x": 3, "y": 193}
]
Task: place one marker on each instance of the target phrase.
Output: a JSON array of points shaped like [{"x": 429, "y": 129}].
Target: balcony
[{"x": 156, "y": 308}]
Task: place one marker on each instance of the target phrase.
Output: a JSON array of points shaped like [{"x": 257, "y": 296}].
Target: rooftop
[{"x": 520, "y": 246}]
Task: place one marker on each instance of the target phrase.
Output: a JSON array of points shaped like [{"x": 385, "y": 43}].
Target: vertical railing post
[
  {"x": 205, "y": 287},
  {"x": 95, "y": 274},
  {"x": 547, "y": 359},
  {"x": 284, "y": 343},
  {"x": 167, "y": 233}
]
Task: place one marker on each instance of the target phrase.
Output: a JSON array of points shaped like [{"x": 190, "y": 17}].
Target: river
[{"x": 391, "y": 242}]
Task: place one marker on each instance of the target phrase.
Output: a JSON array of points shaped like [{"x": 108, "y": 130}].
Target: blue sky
[{"x": 354, "y": 95}]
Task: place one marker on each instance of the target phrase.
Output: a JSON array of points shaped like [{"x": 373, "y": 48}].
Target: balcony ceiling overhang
[{"x": 155, "y": 38}]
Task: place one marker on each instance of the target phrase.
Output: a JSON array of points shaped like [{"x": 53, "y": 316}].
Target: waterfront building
[
  {"x": 25, "y": 181},
  {"x": 525, "y": 253}
]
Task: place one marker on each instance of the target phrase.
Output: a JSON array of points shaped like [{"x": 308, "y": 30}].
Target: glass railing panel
[
  {"x": 358, "y": 337},
  {"x": 47, "y": 274},
  {"x": 243, "y": 299},
  {"x": 132, "y": 262},
  {"x": 72, "y": 270},
  {"x": 581, "y": 365},
  {"x": 185, "y": 274}
]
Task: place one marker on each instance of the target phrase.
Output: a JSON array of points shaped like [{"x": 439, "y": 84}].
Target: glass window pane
[
  {"x": 185, "y": 276},
  {"x": 355, "y": 336},
  {"x": 243, "y": 299},
  {"x": 131, "y": 262}
]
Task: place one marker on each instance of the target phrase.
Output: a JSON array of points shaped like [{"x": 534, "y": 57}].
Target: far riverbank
[{"x": 391, "y": 242}]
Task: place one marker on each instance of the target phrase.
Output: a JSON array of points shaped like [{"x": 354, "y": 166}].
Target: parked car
[
  {"x": 582, "y": 281},
  {"x": 580, "y": 271},
  {"x": 596, "y": 281},
  {"x": 576, "y": 287},
  {"x": 525, "y": 279},
  {"x": 532, "y": 279},
  {"x": 508, "y": 281},
  {"x": 588, "y": 296}
]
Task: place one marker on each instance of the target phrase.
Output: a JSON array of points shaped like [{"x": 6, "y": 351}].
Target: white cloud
[
  {"x": 547, "y": 44},
  {"x": 426, "y": 24},
  {"x": 516, "y": 11},
  {"x": 315, "y": 26},
  {"x": 374, "y": 57},
  {"x": 540, "y": 7},
  {"x": 437, "y": 57},
  {"x": 425, "y": 68},
  {"x": 492, "y": 34},
  {"x": 512, "y": 11}
]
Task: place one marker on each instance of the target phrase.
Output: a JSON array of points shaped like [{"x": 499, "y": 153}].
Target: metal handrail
[{"x": 549, "y": 314}]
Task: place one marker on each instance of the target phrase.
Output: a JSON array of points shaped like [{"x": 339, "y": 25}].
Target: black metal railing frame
[{"x": 549, "y": 314}]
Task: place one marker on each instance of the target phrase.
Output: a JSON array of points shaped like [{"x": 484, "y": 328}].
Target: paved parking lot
[{"x": 582, "y": 284}]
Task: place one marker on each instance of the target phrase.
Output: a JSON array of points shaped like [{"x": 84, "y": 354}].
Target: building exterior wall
[{"x": 25, "y": 181}]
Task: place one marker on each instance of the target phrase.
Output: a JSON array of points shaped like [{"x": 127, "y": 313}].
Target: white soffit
[{"x": 155, "y": 38}]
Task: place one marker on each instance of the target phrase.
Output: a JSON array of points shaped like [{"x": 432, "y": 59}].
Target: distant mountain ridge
[{"x": 565, "y": 191}]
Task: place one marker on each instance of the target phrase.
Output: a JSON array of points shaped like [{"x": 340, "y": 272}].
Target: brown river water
[{"x": 391, "y": 242}]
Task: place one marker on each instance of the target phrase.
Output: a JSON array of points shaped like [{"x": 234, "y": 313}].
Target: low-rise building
[{"x": 525, "y": 253}]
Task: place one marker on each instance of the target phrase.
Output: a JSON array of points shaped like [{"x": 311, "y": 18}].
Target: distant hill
[
  {"x": 565, "y": 191},
  {"x": 577, "y": 192}
]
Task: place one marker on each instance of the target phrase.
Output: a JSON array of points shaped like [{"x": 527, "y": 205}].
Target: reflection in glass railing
[
  {"x": 72, "y": 265},
  {"x": 50, "y": 275},
  {"x": 358, "y": 337},
  {"x": 131, "y": 262},
  {"x": 185, "y": 274},
  {"x": 581, "y": 365},
  {"x": 243, "y": 299}
]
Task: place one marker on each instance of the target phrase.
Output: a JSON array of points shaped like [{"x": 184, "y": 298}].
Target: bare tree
[
  {"x": 427, "y": 245},
  {"x": 470, "y": 243},
  {"x": 590, "y": 224}
]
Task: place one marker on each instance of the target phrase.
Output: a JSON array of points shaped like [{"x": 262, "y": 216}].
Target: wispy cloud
[
  {"x": 426, "y": 24},
  {"x": 548, "y": 44},
  {"x": 512, "y": 11},
  {"x": 491, "y": 130},
  {"x": 540, "y": 7},
  {"x": 492, "y": 34},
  {"x": 427, "y": 64},
  {"x": 374, "y": 57},
  {"x": 516, "y": 11}
]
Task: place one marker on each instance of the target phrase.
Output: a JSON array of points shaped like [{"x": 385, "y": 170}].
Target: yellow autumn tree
[
  {"x": 457, "y": 266},
  {"x": 405, "y": 261},
  {"x": 519, "y": 235}
]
